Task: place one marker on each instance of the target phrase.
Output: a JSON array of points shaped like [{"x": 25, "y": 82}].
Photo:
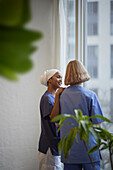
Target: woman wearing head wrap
[
  {"x": 49, "y": 158},
  {"x": 75, "y": 96}
]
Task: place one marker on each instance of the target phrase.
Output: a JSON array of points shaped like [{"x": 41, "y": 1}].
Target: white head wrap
[{"x": 47, "y": 75}]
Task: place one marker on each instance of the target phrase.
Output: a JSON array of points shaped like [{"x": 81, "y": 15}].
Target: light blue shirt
[{"x": 77, "y": 97}]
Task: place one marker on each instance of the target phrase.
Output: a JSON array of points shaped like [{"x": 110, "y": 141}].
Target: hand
[{"x": 60, "y": 90}]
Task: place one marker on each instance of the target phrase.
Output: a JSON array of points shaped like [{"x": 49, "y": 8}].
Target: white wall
[{"x": 19, "y": 102}]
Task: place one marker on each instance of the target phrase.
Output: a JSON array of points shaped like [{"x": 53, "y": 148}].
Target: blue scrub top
[
  {"x": 49, "y": 137},
  {"x": 77, "y": 97}
]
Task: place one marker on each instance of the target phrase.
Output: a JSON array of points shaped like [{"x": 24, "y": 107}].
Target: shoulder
[
  {"x": 79, "y": 89},
  {"x": 47, "y": 97},
  {"x": 89, "y": 95},
  {"x": 89, "y": 92}
]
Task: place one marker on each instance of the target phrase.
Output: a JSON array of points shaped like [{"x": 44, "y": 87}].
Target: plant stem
[
  {"x": 89, "y": 155},
  {"x": 110, "y": 155}
]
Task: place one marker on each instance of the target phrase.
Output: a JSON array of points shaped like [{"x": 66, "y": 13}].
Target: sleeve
[
  {"x": 46, "y": 107},
  {"x": 95, "y": 109}
]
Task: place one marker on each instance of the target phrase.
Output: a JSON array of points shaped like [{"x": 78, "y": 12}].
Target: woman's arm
[{"x": 56, "y": 107}]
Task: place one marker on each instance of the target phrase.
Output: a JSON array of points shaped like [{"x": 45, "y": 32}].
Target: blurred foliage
[
  {"x": 16, "y": 42},
  {"x": 85, "y": 126},
  {"x": 105, "y": 142}
]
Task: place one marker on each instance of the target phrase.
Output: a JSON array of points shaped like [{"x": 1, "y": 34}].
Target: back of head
[{"x": 75, "y": 73}]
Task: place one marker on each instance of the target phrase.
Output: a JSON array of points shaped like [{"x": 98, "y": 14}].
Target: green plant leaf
[
  {"x": 16, "y": 43},
  {"x": 75, "y": 133},
  {"x": 65, "y": 150},
  {"x": 79, "y": 114},
  {"x": 19, "y": 35},
  {"x": 21, "y": 63},
  {"x": 105, "y": 146},
  {"x": 14, "y": 13},
  {"x": 93, "y": 149},
  {"x": 82, "y": 133},
  {"x": 70, "y": 138},
  {"x": 101, "y": 117},
  {"x": 61, "y": 144},
  {"x": 5, "y": 72},
  {"x": 64, "y": 125},
  {"x": 85, "y": 126},
  {"x": 84, "y": 123},
  {"x": 94, "y": 133},
  {"x": 59, "y": 117},
  {"x": 105, "y": 133}
]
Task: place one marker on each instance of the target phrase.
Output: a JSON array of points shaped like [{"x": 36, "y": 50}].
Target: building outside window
[
  {"x": 111, "y": 61},
  {"x": 92, "y": 17},
  {"x": 111, "y": 16},
  {"x": 92, "y": 61},
  {"x": 100, "y": 59},
  {"x": 111, "y": 102}
]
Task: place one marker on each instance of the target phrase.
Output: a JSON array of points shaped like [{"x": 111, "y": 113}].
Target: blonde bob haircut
[{"x": 75, "y": 73}]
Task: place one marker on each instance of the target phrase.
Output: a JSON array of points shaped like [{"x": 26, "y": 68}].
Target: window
[
  {"x": 111, "y": 15},
  {"x": 92, "y": 17},
  {"x": 71, "y": 46},
  {"x": 111, "y": 61},
  {"x": 111, "y": 101},
  {"x": 69, "y": 6},
  {"x": 99, "y": 59},
  {"x": 97, "y": 54},
  {"x": 92, "y": 61}
]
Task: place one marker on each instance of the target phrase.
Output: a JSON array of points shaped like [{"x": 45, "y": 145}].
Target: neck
[
  {"x": 80, "y": 84},
  {"x": 51, "y": 90}
]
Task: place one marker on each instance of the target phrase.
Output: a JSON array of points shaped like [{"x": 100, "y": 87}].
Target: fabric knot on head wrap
[{"x": 47, "y": 75}]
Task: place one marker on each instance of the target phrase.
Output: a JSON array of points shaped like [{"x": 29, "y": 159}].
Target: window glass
[
  {"x": 99, "y": 60},
  {"x": 111, "y": 19},
  {"x": 69, "y": 6},
  {"x": 92, "y": 61},
  {"x": 92, "y": 17},
  {"x": 111, "y": 61},
  {"x": 111, "y": 102}
]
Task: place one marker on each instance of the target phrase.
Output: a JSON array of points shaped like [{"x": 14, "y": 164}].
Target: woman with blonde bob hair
[
  {"x": 76, "y": 73},
  {"x": 75, "y": 96}
]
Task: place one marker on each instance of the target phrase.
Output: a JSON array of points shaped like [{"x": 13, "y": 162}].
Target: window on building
[
  {"x": 111, "y": 61},
  {"x": 92, "y": 61},
  {"x": 92, "y": 17},
  {"x": 111, "y": 101},
  {"x": 111, "y": 16}
]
